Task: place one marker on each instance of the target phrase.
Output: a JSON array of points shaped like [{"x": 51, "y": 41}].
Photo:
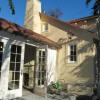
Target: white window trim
[
  {"x": 43, "y": 27},
  {"x": 69, "y": 61}
]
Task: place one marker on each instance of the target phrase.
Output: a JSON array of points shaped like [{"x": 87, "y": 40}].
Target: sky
[{"x": 71, "y": 9}]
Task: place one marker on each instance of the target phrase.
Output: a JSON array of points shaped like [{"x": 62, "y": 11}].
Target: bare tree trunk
[
  {"x": 98, "y": 47},
  {"x": 98, "y": 54}
]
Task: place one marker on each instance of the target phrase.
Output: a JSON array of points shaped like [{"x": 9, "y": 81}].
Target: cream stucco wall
[
  {"x": 80, "y": 72},
  {"x": 54, "y": 33}
]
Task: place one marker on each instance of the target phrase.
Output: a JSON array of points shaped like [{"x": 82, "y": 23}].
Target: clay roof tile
[{"x": 12, "y": 27}]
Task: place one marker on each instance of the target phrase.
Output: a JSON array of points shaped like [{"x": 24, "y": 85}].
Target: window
[
  {"x": 44, "y": 27},
  {"x": 14, "y": 69},
  {"x": 72, "y": 53}
]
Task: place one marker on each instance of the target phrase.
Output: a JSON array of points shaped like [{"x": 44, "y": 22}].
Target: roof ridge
[{"x": 83, "y": 18}]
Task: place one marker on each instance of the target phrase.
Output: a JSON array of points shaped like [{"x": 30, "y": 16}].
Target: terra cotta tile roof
[{"x": 13, "y": 28}]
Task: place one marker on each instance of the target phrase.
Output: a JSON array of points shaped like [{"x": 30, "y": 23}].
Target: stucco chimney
[{"x": 32, "y": 18}]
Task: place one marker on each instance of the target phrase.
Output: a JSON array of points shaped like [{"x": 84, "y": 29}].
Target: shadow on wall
[{"x": 83, "y": 70}]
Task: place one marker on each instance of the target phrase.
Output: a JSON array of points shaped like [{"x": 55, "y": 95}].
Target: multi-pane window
[
  {"x": 41, "y": 67},
  {"x": 14, "y": 69},
  {"x": 44, "y": 27},
  {"x": 1, "y": 55},
  {"x": 72, "y": 53}
]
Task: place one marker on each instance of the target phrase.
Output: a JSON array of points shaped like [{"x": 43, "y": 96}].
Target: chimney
[{"x": 32, "y": 17}]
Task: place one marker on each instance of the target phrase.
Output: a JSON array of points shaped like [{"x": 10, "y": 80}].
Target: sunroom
[{"x": 27, "y": 60}]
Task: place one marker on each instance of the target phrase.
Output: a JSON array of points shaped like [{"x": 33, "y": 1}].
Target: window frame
[
  {"x": 22, "y": 44},
  {"x": 69, "y": 55},
  {"x": 44, "y": 27},
  {"x": 14, "y": 71}
]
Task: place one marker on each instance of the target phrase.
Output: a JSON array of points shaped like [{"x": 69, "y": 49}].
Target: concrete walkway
[
  {"x": 27, "y": 95},
  {"x": 33, "y": 97}
]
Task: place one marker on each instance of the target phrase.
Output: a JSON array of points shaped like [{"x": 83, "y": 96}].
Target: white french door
[
  {"x": 11, "y": 67},
  {"x": 15, "y": 77},
  {"x": 41, "y": 67}
]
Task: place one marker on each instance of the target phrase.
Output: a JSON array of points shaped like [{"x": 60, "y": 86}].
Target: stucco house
[
  {"x": 77, "y": 50},
  {"x": 45, "y": 50}
]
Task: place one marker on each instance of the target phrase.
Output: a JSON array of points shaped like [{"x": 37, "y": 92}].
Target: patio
[{"x": 27, "y": 95}]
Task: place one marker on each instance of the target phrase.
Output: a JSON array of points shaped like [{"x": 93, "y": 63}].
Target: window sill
[{"x": 72, "y": 62}]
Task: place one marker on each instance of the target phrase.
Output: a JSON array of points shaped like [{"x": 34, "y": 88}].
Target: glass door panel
[
  {"x": 41, "y": 67},
  {"x": 14, "y": 69}
]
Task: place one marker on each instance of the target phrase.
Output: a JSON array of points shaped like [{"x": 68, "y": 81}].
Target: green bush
[{"x": 57, "y": 85}]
